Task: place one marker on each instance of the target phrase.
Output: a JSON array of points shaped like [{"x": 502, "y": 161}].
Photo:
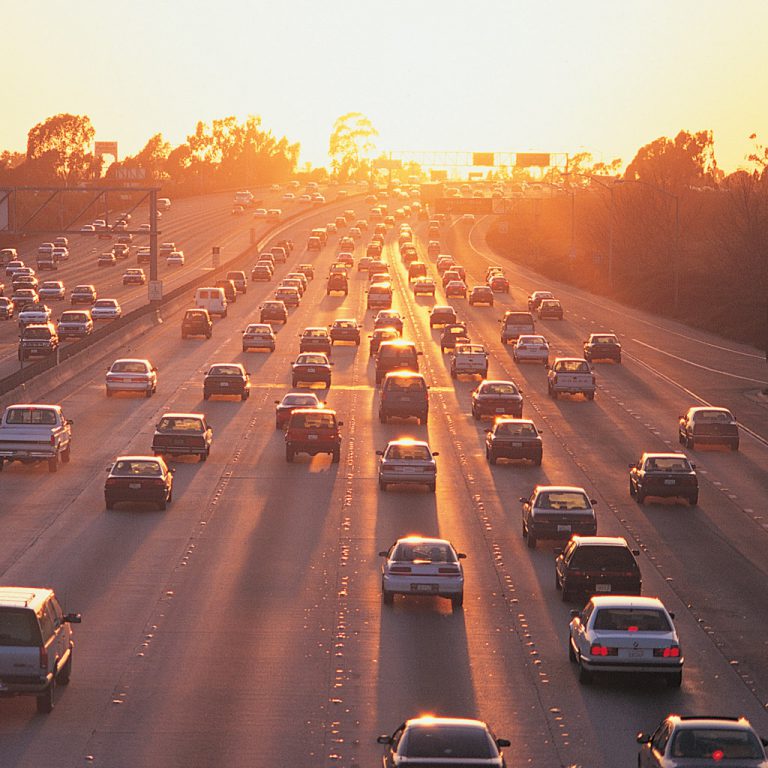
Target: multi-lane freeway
[{"x": 244, "y": 626}]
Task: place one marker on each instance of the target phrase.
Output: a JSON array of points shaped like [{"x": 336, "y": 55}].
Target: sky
[{"x": 479, "y": 75}]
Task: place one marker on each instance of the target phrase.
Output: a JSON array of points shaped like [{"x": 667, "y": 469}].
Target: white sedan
[
  {"x": 625, "y": 634},
  {"x": 407, "y": 461},
  {"x": 106, "y": 309},
  {"x": 132, "y": 375},
  {"x": 175, "y": 259},
  {"x": 258, "y": 336},
  {"x": 531, "y": 348},
  {"x": 416, "y": 565}
]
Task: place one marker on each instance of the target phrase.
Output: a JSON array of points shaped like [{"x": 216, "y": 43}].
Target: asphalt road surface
[{"x": 244, "y": 625}]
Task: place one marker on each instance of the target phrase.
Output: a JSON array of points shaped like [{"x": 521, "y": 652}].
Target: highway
[{"x": 244, "y": 625}]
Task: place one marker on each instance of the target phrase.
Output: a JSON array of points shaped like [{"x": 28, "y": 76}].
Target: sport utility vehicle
[
  {"x": 196, "y": 322},
  {"x": 596, "y": 565},
  {"x": 404, "y": 394},
  {"x": 38, "y": 340},
  {"x": 313, "y": 431},
  {"x": 37, "y": 644},
  {"x": 394, "y": 356}
]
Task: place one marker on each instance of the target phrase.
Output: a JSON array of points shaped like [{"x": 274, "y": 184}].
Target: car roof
[
  {"x": 408, "y": 441},
  {"x": 24, "y": 597},
  {"x": 510, "y": 420},
  {"x": 138, "y": 457},
  {"x": 313, "y": 411},
  {"x": 600, "y": 541},
  {"x": 665, "y": 455},
  {"x": 497, "y": 381},
  {"x": 429, "y": 720},
  {"x": 130, "y": 359},
  {"x": 560, "y": 488},
  {"x": 710, "y": 409},
  {"x": 570, "y": 360},
  {"x": 626, "y": 601},
  {"x": 173, "y": 415},
  {"x": 710, "y": 721}
]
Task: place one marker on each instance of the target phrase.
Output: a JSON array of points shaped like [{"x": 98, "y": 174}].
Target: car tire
[
  {"x": 585, "y": 676},
  {"x": 206, "y": 396},
  {"x": 53, "y": 463},
  {"x": 640, "y": 496},
  {"x": 382, "y": 485},
  {"x": 558, "y": 586},
  {"x": 162, "y": 505},
  {"x": 183, "y": 335},
  {"x": 530, "y": 540},
  {"x": 382, "y": 418},
  {"x": 675, "y": 679},
  {"x": 691, "y": 443},
  {"x": 537, "y": 460},
  {"x": 571, "y": 653},
  {"x": 631, "y": 489},
  {"x": 457, "y": 601},
  {"x": 148, "y": 393},
  {"x": 289, "y": 454},
  {"x": 336, "y": 456},
  {"x": 387, "y": 597},
  {"x": 432, "y": 487},
  {"x": 453, "y": 373},
  {"x": 47, "y": 699},
  {"x": 65, "y": 673},
  {"x": 204, "y": 456},
  {"x": 475, "y": 414},
  {"x": 693, "y": 500},
  {"x": 491, "y": 457},
  {"x": 244, "y": 397},
  {"x": 590, "y": 395},
  {"x": 66, "y": 455},
  {"x": 109, "y": 505},
  {"x": 734, "y": 446},
  {"x": 109, "y": 392}
]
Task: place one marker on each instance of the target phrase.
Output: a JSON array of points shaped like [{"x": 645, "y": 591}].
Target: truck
[
  {"x": 570, "y": 375},
  {"x": 470, "y": 360},
  {"x": 33, "y": 432}
]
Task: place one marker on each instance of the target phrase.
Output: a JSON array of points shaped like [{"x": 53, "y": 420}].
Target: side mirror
[
  {"x": 384, "y": 740},
  {"x": 523, "y": 500},
  {"x": 339, "y": 423},
  {"x": 383, "y": 553},
  {"x": 643, "y": 738},
  {"x": 69, "y": 422},
  {"x": 575, "y": 613},
  {"x": 671, "y": 615},
  {"x": 636, "y": 552},
  {"x": 540, "y": 431},
  {"x": 419, "y": 353},
  {"x": 435, "y": 453},
  {"x": 73, "y": 618},
  {"x": 503, "y": 743},
  {"x": 693, "y": 466},
  {"x": 461, "y": 556},
  {"x": 593, "y": 502},
  {"x": 379, "y": 453},
  {"x": 632, "y": 466},
  {"x": 277, "y": 402}
]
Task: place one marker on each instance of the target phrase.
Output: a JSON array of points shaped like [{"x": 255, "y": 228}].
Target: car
[
  {"x": 261, "y": 273},
  {"x": 380, "y": 335},
  {"x": 557, "y": 512},
  {"x": 407, "y": 462},
  {"x": 307, "y": 270},
  {"x": 453, "y": 334},
  {"x": 481, "y": 294},
  {"x": 311, "y": 367},
  {"x": 75, "y": 324},
  {"x": 273, "y": 312},
  {"x": 379, "y": 295},
  {"x": 404, "y": 394},
  {"x": 495, "y": 398},
  {"x": 433, "y": 248},
  {"x": 182, "y": 434},
  {"x": 37, "y": 340},
  {"x": 83, "y": 294},
  {"x": 396, "y": 355},
  {"x": 175, "y": 259},
  {"x": 13, "y": 266},
  {"x": 226, "y": 379},
  {"x": 469, "y": 360},
  {"x": 260, "y": 213},
  {"x": 52, "y": 289},
  {"x": 145, "y": 479},
  {"x": 106, "y": 309},
  {"x": 279, "y": 253},
  {"x": 550, "y": 309},
  {"x": 166, "y": 249},
  {"x": 37, "y": 644},
  {"x": 228, "y": 286},
  {"x": 344, "y": 329},
  {"x": 292, "y": 282},
  {"x": 618, "y": 633},
  {"x": 131, "y": 375},
  {"x": 6, "y": 308},
  {"x": 450, "y": 275},
  {"x": 424, "y": 286},
  {"x": 513, "y": 439},
  {"x": 681, "y": 741},
  {"x": 88, "y": 229},
  {"x": 537, "y": 297},
  {"x": 442, "y": 314},
  {"x": 315, "y": 339},
  {"x": 708, "y": 425},
  {"x": 444, "y": 263},
  {"x": 238, "y": 210},
  {"x": 121, "y": 250},
  {"x": 313, "y": 431},
  {"x": 443, "y": 742},
  {"x": 290, "y": 402},
  {"x": 602, "y": 346},
  {"x": 388, "y": 318},
  {"x": 347, "y": 259},
  {"x": 290, "y": 296},
  {"x": 106, "y": 260},
  {"x": 664, "y": 475},
  {"x": 456, "y": 288},
  {"x": 314, "y": 244},
  {"x": 289, "y": 196},
  {"x": 572, "y": 376},
  {"x": 596, "y": 565},
  {"x": 21, "y": 297},
  {"x": 258, "y": 336},
  {"x": 196, "y": 322},
  {"x": 34, "y": 313},
  {"x": 143, "y": 255},
  {"x": 531, "y": 348},
  {"x": 301, "y": 277}
]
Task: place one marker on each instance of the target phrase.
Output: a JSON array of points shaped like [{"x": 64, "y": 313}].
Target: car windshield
[
  {"x": 632, "y": 620},
  {"x": 716, "y": 744},
  {"x": 180, "y": 424},
  {"x": 225, "y": 370},
  {"x": 259, "y": 329},
  {"x": 129, "y": 366},
  {"x": 37, "y": 333},
  {"x": 562, "y": 500},
  {"x": 73, "y": 317},
  {"x": 129, "y": 467},
  {"x": 30, "y": 416},
  {"x": 406, "y": 452},
  {"x": 105, "y": 303},
  {"x": 316, "y": 333},
  {"x": 450, "y": 742},
  {"x": 667, "y": 464}
]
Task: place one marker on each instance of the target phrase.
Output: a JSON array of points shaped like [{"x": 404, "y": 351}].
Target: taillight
[
  {"x": 454, "y": 569},
  {"x": 43, "y": 657},
  {"x": 670, "y": 652},
  {"x": 53, "y": 440},
  {"x": 111, "y": 481},
  {"x": 158, "y": 481},
  {"x": 400, "y": 569},
  {"x": 600, "y": 650}
]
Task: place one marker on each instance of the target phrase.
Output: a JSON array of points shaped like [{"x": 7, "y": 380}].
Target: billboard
[
  {"x": 105, "y": 148},
  {"x": 532, "y": 159},
  {"x": 483, "y": 158}
]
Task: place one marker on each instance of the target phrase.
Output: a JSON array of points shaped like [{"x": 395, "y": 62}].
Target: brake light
[
  {"x": 111, "y": 481},
  {"x": 670, "y": 652},
  {"x": 632, "y": 629},
  {"x": 53, "y": 440},
  {"x": 448, "y": 569},
  {"x": 400, "y": 569},
  {"x": 43, "y": 657},
  {"x": 600, "y": 650},
  {"x": 158, "y": 481}
]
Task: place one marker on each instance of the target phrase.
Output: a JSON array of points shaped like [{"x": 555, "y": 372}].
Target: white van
[
  {"x": 212, "y": 299},
  {"x": 163, "y": 203}
]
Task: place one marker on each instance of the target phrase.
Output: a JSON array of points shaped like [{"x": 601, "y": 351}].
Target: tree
[
  {"x": 350, "y": 145},
  {"x": 61, "y": 146},
  {"x": 686, "y": 161}
]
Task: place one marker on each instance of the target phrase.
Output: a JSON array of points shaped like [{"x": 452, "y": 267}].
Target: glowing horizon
[{"x": 432, "y": 76}]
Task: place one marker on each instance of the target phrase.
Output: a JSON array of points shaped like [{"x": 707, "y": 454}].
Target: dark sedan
[
  {"x": 227, "y": 379},
  {"x": 513, "y": 439},
  {"x": 311, "y": 367},
  {"x": 497, "y": 398},
  {"x": 273, "y": 312},
  {"x": 139, "y": 479},
  {"x": 182, "y": 434},
  {"x": 290, "y": 402},
  {"x": 664, "y": 475},
  {"x": 345, "y": 330}
]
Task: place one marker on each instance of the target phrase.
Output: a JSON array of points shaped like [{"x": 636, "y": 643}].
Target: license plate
[
  {"x": 311, "y": 437},
  {"x": 310, "y": 370},
  {"x": 500, "y": 410},
  {"x": 563, "y": 528},
  {"x": 223, "y": 383},
  {"x": 422, "y": 587},
  {"x": 134, "y": 486},
  {"x": 669, "y": 482},
  {"x": 517, "y": 444},
  {"x": 636, "y": 653},
  {"x": 402, "y": 469},
  {"x": 602, "y": 587},
  {"x": 179, "y": 441}
]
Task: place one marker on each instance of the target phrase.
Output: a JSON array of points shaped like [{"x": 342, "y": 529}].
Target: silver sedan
[{"x": 407, "y": 461}]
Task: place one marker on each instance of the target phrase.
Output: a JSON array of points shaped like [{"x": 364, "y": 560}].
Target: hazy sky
[{"x": 481, "y": 75}]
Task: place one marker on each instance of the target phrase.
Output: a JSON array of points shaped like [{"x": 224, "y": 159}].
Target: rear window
[
  {"x": 632, "y": 620},
  {"x": 405, "y": 384},
  {"x": 445, "y": 742},
  {"x": 19, "y": 626},
  {"x": 313, "y": 420},
  {"x": 180, "y": 424},
  {"x": 703, "y": 743},
  {"x": 30, "y": 416},
  {"x": 611, "y": 558},
  {"x": 562, "y": 500},
  {"x": 128, "y": 468}
]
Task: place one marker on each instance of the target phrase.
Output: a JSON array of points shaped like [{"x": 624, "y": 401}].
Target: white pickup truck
[
  {"x": 32, "y": 432},
  {"x": 570, "y": 375},
  {"x": 469, "y": 359}
]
